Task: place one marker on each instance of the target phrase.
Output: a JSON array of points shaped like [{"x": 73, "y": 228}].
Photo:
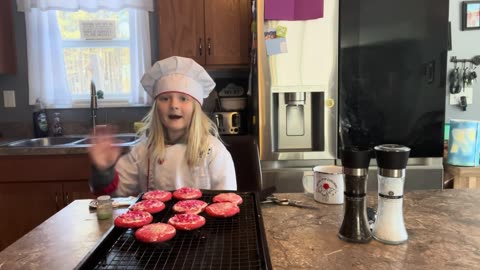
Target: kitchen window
[{"x": 71, "y": 43}]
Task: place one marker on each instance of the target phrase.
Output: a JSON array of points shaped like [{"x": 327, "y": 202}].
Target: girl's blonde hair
[{"x": 200, "y": 128}]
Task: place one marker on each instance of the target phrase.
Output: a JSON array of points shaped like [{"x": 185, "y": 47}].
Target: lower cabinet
[
  {"x": 33, "y": 188},
  {"x": 76, "y": 190}
]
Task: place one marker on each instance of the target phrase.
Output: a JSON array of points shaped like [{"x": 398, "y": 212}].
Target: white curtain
[
  {"x": 140, "y": 56},
  {"x": 46, "y": 68},
  {"x": 47, "y": 77}
]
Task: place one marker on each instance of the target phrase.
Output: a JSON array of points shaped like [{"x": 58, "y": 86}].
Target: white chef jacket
[{"x": 138, "y": 173}]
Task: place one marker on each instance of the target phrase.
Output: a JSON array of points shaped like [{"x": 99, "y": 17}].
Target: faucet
[{"x": 93, "y": 104}]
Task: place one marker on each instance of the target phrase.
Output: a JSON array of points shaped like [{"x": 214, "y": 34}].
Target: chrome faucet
[{"x": 93, "y": 105}]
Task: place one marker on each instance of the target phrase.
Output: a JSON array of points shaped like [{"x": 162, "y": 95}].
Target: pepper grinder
[
  {"x": 389, "y": 227},
  {"x": 355, "y": 226}
]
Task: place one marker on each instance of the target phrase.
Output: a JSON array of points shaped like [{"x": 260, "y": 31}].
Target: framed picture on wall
[{"x": 470, "y": 15}]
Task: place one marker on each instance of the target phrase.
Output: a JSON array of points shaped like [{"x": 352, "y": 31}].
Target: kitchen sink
[
  {"x": 46, "y": 142},
  {"x": 125, "y": 139},
  {"x": 120, "y": 139}
]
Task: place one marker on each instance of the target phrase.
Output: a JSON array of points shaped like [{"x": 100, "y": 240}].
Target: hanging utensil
[
  {"x": 455, "y": 81},
  {"x": 465, "y": 76}
]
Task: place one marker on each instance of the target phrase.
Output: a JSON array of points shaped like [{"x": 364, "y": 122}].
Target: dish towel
[{"x": 293, "y": 10}]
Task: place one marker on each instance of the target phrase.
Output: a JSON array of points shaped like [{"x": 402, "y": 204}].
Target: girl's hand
[{"x": 102, "y": 152}]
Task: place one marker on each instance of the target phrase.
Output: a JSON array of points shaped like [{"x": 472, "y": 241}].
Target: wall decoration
[{"x": 470, "y": 15}]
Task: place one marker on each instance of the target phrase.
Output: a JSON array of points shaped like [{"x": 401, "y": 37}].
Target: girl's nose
[{"x": 174, "y": 103}]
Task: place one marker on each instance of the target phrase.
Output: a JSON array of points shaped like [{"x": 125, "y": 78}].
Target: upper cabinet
[
  {"x": 212, "y": 32},
  {"x": 7, "y": 41}
]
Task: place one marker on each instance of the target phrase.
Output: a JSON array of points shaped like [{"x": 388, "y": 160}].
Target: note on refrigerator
[{"x": 274, "y": 44}]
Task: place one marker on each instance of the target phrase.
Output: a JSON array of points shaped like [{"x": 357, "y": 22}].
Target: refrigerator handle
[{"x": 449, "y": 36}]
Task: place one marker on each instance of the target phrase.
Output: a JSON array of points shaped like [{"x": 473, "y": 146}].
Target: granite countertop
[{"x": 443, "y": 227}]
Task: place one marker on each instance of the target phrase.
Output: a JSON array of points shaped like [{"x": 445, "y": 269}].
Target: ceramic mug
[
  {"x": 328, "y": 184},
  {"x": 307, "y": 181}
]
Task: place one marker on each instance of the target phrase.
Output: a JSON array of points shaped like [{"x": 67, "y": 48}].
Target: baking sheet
[{"x": 237, "y": 242}]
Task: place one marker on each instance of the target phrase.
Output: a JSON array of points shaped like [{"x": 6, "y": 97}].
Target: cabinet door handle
[
  {"x": 56, "y": 201},
  {"x": 68, "y": 201},
  {"x": 209, "y": 46},
  {"x": 200, "y": 47}
]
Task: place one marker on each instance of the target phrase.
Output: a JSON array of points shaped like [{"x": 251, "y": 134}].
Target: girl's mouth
[{"x": 174, "y": 117}]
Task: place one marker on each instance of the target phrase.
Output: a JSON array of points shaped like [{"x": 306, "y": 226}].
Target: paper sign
[{"x": 98, "y": 29}]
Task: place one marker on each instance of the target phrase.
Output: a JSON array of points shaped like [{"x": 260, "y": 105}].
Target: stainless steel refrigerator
[
  {"x": 297, "y": 98},
  {"x": 385, "y": 84}
]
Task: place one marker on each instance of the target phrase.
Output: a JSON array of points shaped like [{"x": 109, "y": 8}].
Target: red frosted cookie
[
  {"x": 187, "y": 193},
  {"x": 190, "y": 206},
  {"x": 187, "y": 221},
  {"x": 228, "y": 197},
  {"x": 133, "y": 219},
  {"x": 222, "y": 209},
  {"x": 151, "y": 206},
  {"x": 155, "y": 233},
  {"x": 160, "y": 195}
]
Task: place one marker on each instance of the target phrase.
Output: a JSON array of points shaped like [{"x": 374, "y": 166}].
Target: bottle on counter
[
  {"x": 57, "y": 125},
  {"x": 40, "y": 124}
]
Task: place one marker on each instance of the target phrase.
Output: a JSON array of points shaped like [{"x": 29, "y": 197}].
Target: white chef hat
[{"x": 178, "y": 74}]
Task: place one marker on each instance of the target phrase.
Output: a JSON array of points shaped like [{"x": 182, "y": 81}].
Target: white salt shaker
[{"x": 389, "y": 226}]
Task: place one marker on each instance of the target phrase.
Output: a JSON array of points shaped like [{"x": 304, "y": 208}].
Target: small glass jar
[{"x": 104, "y": 207}]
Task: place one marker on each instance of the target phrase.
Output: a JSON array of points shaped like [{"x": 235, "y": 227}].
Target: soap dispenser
[{"x": 40, "y": 124}]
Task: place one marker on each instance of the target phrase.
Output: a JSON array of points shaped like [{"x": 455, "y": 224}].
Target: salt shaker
[
  {"x": 104, "y": 207},
  {"x": 389, "y": 226}
]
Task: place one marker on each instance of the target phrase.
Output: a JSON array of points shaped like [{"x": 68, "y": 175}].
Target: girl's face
[{"x": 175, "y": 112}]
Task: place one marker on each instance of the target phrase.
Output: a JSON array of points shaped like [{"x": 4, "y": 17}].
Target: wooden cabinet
[
  {"x": 76, "y": 190},
  {"x": 24, "y": 206},
  {"x": 7, "y": 41},
  {"x": 33, "y": 188},
  {"x": 212, "y": 32},
  {"x": 464, "y": 177}
]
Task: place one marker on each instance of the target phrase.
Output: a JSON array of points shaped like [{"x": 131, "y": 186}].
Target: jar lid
[{"x": 104, "y": 198}]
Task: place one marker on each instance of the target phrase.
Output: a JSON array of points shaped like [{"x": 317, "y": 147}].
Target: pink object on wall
[{"x": 293, "y": 10}]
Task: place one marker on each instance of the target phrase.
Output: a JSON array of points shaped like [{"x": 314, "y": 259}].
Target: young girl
[{"x": 179, "y": 146}]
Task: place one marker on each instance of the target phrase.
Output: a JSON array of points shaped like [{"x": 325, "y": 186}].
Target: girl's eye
[
  {"x": 183, "y": 98},
  {"x": 163, "y": 98}
]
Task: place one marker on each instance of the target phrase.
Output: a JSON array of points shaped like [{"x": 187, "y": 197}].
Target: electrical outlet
[
  {"x": 467, "y": 92},
  {"x": 9, "y": 99}
]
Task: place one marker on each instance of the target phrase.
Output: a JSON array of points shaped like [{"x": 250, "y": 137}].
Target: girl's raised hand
[{"x": 103, "y": 152}]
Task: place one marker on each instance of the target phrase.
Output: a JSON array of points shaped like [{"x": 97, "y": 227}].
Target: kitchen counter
[{"x": 443, "y": 227}]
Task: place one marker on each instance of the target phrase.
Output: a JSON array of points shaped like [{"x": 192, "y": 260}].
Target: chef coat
[{"x": 137, "y": 172}]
